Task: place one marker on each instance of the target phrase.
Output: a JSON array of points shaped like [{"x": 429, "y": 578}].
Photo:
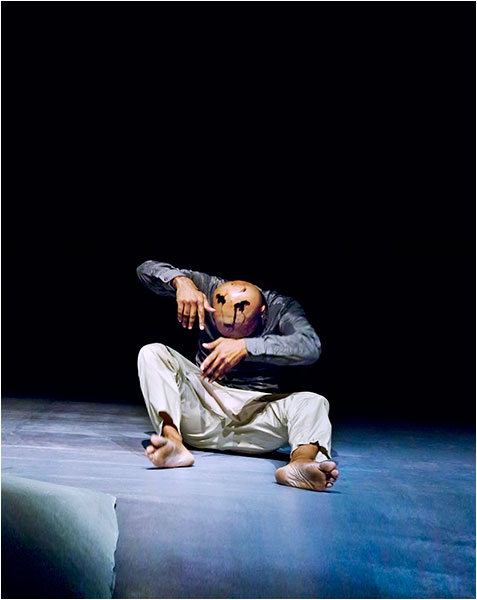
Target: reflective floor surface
[{"x": 399, "y": 523}]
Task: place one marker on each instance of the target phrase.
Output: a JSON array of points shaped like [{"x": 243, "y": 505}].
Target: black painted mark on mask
[
  {"x": 220, "y": 299},
  {"x": 241, "y": 307}
]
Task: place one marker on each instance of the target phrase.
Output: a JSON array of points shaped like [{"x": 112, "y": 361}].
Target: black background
[{"x": 328, "y": 154}]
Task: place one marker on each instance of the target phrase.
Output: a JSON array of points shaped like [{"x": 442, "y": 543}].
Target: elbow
[
  {"x": 143, "y": 272},
  {"x": 317, "y": 353},
  {"x": 144, "y": 269},
  {"x": 140, "y": 272},
  {"x": 307, "y": 350},
  {"x": 313, "y": 356},
  {"x": 313, "y": 353}
]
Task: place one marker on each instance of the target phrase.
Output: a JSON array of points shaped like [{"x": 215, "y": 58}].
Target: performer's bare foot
[
  {"x": 168, "y": 452},
  {"x": 308, "y": 474},
  {"x": 304, "y": 472}
]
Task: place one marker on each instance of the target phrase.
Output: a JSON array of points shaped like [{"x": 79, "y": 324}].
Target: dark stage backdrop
[
  {"x": 395, "y": 315},
  {"x": 357, "y": 200}
]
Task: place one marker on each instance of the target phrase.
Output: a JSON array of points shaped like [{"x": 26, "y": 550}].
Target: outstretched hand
[{"x": 226, "y": 353}]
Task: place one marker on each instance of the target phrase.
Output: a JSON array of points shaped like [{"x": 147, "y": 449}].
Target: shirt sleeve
[
  {"x": 157, "y": 276},
  {"x": 296, "y": 344}
]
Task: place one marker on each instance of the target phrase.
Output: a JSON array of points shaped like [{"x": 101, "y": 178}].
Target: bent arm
[
  {"x": 296, "y": 344},
  {"x": 158, "y": 277}
]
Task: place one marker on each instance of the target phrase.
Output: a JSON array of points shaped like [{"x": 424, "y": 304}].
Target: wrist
[{"x": 181, "y": 280}]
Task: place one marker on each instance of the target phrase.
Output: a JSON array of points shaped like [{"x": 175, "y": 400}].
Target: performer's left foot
[{"x": 308, "y": 474}]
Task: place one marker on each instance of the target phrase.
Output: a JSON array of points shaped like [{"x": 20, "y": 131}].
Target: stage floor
[{"x": 399, "y": 523}]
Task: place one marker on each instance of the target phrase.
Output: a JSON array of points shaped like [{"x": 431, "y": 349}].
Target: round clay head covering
[{"x": 238, "y": 308}]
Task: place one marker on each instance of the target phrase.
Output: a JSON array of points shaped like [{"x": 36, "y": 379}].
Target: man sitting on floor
[{"x": 246, "y": 336}]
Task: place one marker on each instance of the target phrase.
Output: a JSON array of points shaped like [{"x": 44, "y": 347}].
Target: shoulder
[{"x": 278, "y": 303}]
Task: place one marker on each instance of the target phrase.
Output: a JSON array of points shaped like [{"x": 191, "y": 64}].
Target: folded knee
[
  {"x": 151, "y": 352},
  {"x": 316, "y": 400}
]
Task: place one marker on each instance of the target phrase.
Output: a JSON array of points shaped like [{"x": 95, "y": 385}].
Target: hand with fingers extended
[
  {"x": 226, "y": 353},
  {"x": 191, "y": 302}
]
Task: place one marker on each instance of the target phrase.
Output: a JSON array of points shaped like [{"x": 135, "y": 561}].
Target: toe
[
  {"x": 158, "y": 441},
  {"x": 327, "y": 466}
]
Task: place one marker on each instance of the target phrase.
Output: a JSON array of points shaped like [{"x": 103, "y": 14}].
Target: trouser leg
[
  {"x": 167, "y": 382},
  {"x": 300, "y": 418},
  {"x": 172, "y": 384},
  {"x": 308, "y": 422},
  {"x": 158, "y": 372}
]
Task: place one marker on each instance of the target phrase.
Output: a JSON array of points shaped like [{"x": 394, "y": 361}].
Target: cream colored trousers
[{"x": 210, "y": 415}]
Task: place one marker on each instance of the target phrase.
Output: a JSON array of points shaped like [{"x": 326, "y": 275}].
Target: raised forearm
[
  {"x": 157, "y": 276},
  {"x": 286, "y": 350}
]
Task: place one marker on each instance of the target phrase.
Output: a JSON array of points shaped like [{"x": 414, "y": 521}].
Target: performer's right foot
[{"x": 165, "y": 452}]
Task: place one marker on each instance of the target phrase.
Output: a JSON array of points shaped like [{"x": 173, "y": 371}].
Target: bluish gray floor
[{"x": 400, "y": 522}]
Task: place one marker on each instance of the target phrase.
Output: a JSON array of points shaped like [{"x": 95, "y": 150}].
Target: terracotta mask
[{"x": 239, "y": 306}]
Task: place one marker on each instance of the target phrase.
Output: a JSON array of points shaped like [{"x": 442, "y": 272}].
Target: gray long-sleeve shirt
[{"x": 285, "y": 337}]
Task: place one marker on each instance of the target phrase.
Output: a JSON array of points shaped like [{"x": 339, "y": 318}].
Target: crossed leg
[{"x": 301, "y": 418}]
